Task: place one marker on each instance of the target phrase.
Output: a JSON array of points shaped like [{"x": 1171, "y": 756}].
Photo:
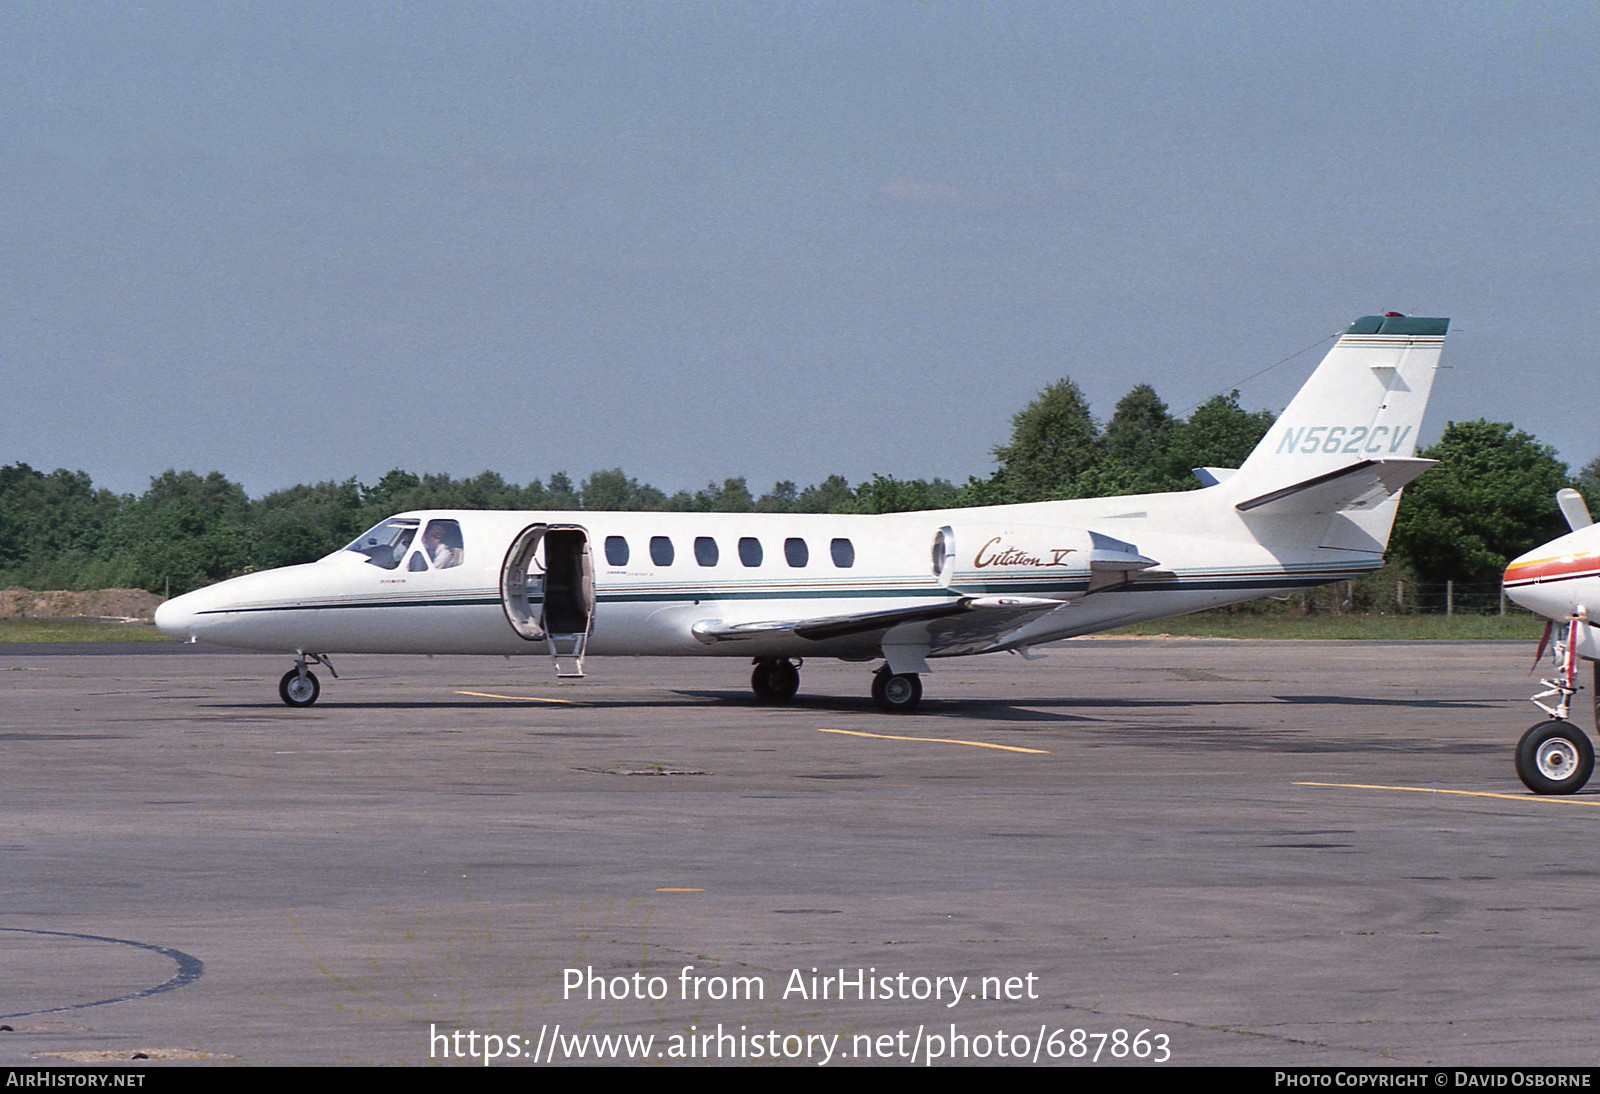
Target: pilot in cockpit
[{"x": 442, "y": 542}]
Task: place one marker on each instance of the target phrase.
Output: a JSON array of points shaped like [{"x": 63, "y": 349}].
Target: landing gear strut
[
  {"x": 299, "y": 686},
  {"x": 775, "y": 679},
  {"x": 1554, "y": 757},
  {"x": 898, "y": 693}
]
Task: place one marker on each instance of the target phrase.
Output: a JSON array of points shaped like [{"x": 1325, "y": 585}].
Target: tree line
[{"x": 1490, "y": 499}]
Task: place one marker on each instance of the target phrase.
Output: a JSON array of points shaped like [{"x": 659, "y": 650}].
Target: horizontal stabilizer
[
  {"x": 1363, "y": 485},
  {"x": 1211, "y": 476}
]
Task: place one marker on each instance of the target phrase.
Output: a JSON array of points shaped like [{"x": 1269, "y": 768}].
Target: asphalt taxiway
[{"x": 1250, "y": 853}]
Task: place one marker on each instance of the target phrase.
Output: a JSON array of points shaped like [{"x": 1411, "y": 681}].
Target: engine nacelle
[{"x": 1046, "y": 560}]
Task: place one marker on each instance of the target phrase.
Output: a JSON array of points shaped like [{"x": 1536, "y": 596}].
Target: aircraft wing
[
  {"x": 1362, "y": 485},
  {"x": 962, "y": 616}
]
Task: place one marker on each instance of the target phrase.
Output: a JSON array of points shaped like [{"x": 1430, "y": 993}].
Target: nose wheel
[
  {"x": 1554, "y": 757},
  {"x": 299, "y": 686}
]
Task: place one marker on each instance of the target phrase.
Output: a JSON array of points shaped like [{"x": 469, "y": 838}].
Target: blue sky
[{"x": 295, "y": 242}]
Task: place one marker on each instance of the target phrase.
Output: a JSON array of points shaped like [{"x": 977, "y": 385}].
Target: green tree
[
  {"x": 560, "y": 494},
  {"x": 1137, "y": 460},
  {"x": 1053, "y": 441},
  {"x": 393, "y": 494},
  {"x": 612, "y": 491},
  {"x": 890, "y": 495},
  {"x": 831, "y": 495},
  {"x": 989, "y": 491},
  {"x": 1491, "y": 498},
  {"x": 303, "y": 523},
  {"x": 731, "y": 496},
  {"x": 782, "y": 498},
  {"x": 56, "y": 530},
  {"x": 1587, "y": 483},
  {"x": 1140, "y": 432},
  {"x": 188, "y": 530},
  {"x": 1218, "y": 434}
]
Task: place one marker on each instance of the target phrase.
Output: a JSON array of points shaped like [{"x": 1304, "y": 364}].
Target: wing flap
[{"x": 989, "y": 609}]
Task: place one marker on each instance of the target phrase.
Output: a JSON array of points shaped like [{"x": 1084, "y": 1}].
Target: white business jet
[
  {"x": 1313, "y": 503},
  {"x": 1561, "y": 581}
]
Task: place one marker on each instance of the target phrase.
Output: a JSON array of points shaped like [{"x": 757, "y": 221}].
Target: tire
[
  {"x": 787, "y": 676},
  {"x": 775, "y": 680},
  {"x": 897, "y": 693},
  {"x": 1554, "y": 757},
  {"x": 298, "y": 691}
]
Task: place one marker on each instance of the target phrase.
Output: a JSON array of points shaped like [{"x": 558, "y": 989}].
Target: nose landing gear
[
  {"x": 299, "y": 686},
  {"x": 1554, "y": 757}
]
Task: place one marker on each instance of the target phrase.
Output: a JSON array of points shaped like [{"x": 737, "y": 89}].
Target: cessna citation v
[
  {"x": 1313, "y": 503},
  {"x": 1561, "y": 581}
]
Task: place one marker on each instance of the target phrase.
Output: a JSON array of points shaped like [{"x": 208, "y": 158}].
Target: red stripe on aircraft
[{"x": 1564, "y": 568}]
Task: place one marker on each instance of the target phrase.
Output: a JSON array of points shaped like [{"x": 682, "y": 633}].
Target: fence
[{"x": 1386, "y": 594}]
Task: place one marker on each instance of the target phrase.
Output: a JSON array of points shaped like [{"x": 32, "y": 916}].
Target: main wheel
[
  {"x": 1554, "y": 757},
  {"x": 775, "y": 679},
  {"x": 788, "y": 678},
  {"x": 297, "y": 690},
  {"x": 898, "y": 693}
]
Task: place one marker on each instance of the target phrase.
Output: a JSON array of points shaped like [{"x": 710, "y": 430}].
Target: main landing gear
[
  {"x": 775, "y": 679},
  {"x": 299, "y": 686},
  {"x": 896, "y": 692},
  {"x": 1554, "y": 757}
]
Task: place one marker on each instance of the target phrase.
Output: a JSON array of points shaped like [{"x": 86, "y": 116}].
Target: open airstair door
[{"x": 547, "y": 590}]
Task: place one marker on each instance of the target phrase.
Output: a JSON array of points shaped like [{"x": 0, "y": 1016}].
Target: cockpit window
[
  {"x": 441, "y": 542},
  {"x": 386, "y": 544}
]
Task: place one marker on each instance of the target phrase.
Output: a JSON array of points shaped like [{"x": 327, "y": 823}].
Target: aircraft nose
[
  {"x": 174, "y": 617},
  {"x": 1525, "y": 583}
]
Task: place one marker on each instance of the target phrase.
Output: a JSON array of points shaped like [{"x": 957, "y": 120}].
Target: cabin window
[
  {"x": 661, "y": 550},
  {"x": 441, "y": 542},
  {"x": 844, "y": 553},
  {"x": 750, "y": 550},
  {"x": 386, "y": 545},
  {"x": 705, "y": 550},
  {"x": 616, "y": 550},
  {"x": 796, "y": 551}
]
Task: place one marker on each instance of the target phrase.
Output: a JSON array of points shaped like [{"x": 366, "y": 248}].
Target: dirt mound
[{"x": 56, "y": 604}]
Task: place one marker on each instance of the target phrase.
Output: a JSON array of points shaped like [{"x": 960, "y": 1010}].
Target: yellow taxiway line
[
  {"x": 1552, "y": 799},
  {"x": 519, "y": 698},
  {"x": 936, "y": 741}
]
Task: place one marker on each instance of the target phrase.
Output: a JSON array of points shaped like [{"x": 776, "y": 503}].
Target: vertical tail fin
[
  {"x": 1363, "y": 403},
  {"x": 1328, "y": 474}
]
